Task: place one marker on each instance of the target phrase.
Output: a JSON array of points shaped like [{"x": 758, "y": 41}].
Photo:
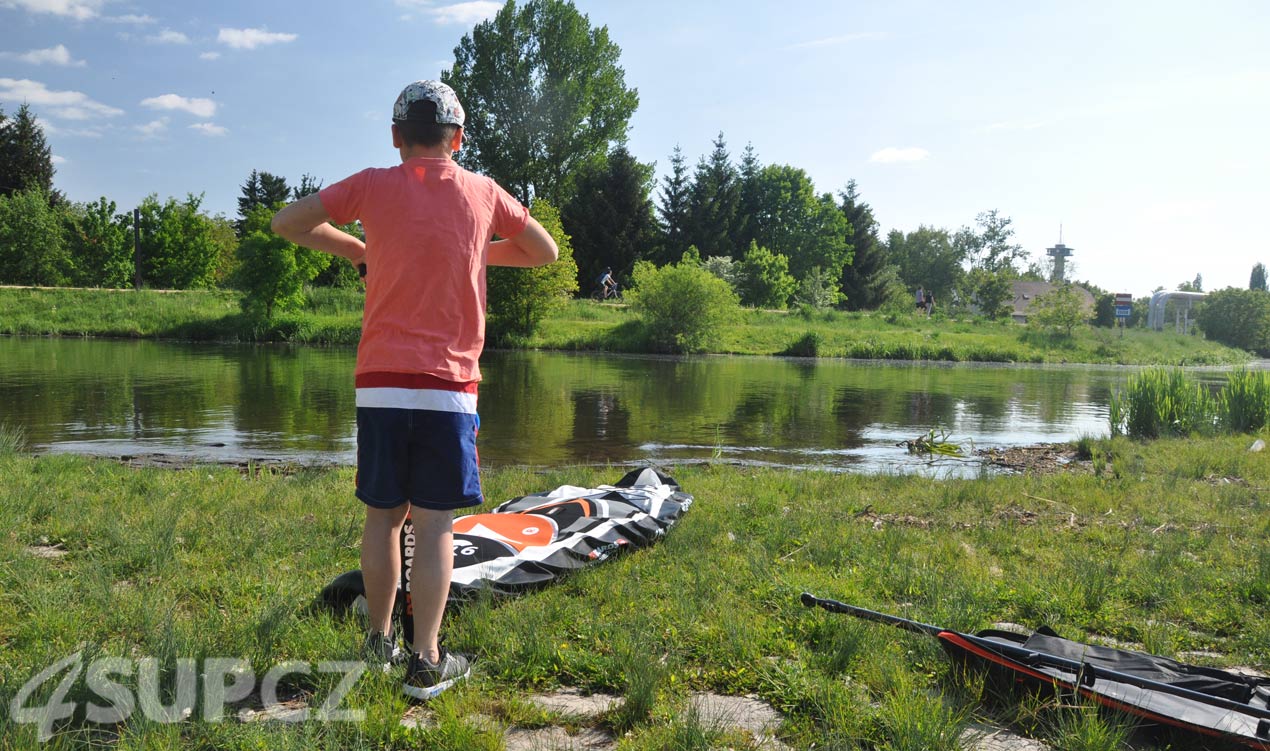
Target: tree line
[{"x": 548, "y": 117}]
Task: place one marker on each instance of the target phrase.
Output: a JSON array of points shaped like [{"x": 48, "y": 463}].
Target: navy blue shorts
[{"x": 424, "y": 457}]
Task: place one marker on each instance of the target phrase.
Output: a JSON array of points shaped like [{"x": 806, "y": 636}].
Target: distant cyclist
[{"x": 608, "y": 287}]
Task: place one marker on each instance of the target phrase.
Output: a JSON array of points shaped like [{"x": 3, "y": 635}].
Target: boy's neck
[{"x": 431, "y": 152}]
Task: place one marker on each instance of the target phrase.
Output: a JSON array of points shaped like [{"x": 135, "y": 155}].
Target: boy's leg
[
  {"x": 381, "y": 562},
  {"x": 430, "y": 576}
]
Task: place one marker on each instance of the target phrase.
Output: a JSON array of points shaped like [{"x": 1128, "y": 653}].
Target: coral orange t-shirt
[{"x": 428, "y": 225}]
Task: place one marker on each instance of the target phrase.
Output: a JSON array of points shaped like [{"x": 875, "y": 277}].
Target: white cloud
[
  {"x": 250, "y": 39},
  {"x": 209, "y": 56},
  {"x": 133, "y": 18},
  {"x": 195, "y": 106},
  {"x": 153, "y": 128},
  {"x": 80, "y": 10},
  {"x": 54, "y": 130},
  {"x": 210, "y": 129},
  {"x": 467, "y": 14},
  {"x": 857, "y": 36},
  {"x": 56, "y": 159},
  {"x": 72, "y": 105},
  {"x": 168, "y": 36},
  {"x": 58, "y": 55},
  {"x": 893, "y": 155}
]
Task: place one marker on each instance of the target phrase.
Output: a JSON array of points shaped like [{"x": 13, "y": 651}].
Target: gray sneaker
[
  {"x": 425, "y": 679},
  {"x": 382, "y": 650}
]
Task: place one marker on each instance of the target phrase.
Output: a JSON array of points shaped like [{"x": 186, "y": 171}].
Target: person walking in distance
[{"x": 429, "y": 228}]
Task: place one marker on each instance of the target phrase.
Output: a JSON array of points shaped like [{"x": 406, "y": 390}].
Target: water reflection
[{"x": 241, "y": 402}]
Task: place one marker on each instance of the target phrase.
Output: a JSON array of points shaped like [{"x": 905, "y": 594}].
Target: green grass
[
  {"x": 332, "y": 316},
  {"x": 1165, "y": 548}
]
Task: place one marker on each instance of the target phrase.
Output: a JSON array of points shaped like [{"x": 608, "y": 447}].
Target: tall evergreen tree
[
  {"x": 1258, "y": 278},
  {"x": 748, "y": 202},
  {"x": 864, "y": 279},
  {"x": 261, "y": 189},
  {"x": 26, "y": 161},
  {"x": 673, "y": 209},
  {"x": 713, "y": 203},
  {"x": 610, "y": 217}
]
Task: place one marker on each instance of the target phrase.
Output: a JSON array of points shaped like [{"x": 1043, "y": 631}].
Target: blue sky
[{"x": 1139, "y": 126}]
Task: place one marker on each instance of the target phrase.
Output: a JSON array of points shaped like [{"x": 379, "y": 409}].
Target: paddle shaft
[{"x": 1033, "y": 658}]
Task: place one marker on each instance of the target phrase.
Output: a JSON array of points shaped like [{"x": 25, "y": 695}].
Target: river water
[{"x": 235, "y": 403}]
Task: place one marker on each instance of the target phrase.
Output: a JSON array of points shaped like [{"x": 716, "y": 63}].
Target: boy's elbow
[{"x": 278, "y": 224}]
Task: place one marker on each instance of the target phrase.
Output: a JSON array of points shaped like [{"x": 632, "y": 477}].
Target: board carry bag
[
  {"x": 1231, "y": 708},
  {"x": 530, "y": 541}
]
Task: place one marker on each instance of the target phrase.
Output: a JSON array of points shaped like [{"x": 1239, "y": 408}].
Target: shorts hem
[
  {"x": 377, "y": 503},
  {"x": 449, "y": 505}
]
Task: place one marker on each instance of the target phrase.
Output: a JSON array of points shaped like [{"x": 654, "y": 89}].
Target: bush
[
  {"x": 808, "y": 345},
  {"x": 1238, "y": 318},
  {"x": 100, "y": 245},
  {"x": 765, "y": 278},
  {"x": 518, "y": 299},
  {"x": 32, "y": 245},
  {"x": 1057, "y": 312},
  {"x": 681, "y": 305},
  {"x": 272, "y": 271},
  {"x": 818, "y": 289},
  {"x": 725, "y": 268}
]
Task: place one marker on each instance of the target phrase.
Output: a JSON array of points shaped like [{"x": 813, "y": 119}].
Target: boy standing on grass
[{"x": 429, "y": 225}]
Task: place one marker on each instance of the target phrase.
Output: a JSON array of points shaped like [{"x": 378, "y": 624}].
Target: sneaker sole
[{"x": 428, "y": 692}]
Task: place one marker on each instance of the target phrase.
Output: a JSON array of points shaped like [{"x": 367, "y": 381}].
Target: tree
[
  {"x": 32, "y": 246},
  {"x": 26, "y": 162},
  {"x": 272, "y": 271},
  {"x": 610, "y": 217},
  {"x": 765, "y": 281},
  {"x": 818, "y": 290},
  {"x": 518, "y": 299},
  {"x": 1238, "y": 318},
  {"x": 673, "y": 209},
  {"x": 793, "y": 221},
  {"x": 1059, "y": 311},
  {"x": 544, "y": 94},
  {"x": 990, "y": 246},
  {"x": 681, "y": 305},
  {"x": 1258, "y": 279},
  {"x": 1193, "y": 286},
  {"x": 990, "y": 290},
  {"x": 926, "y": 257},
  {"x": 180, "y": 247},
  {"x": 261, "y": 189},
  {"x": 100, "y": 245},
  {"x": 308, "y": 186},
  {"x": 864, "y": 280},
  {"x": 713, "y": 201},
  {"x": 748, "y": 205}
]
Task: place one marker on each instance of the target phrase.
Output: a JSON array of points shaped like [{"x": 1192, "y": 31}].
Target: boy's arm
[
  {"x": 305, "y": 223},
  {"x": 532, "y": 247}
]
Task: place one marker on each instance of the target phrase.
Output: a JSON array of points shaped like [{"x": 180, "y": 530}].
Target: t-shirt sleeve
[
  {"x": 510, "y": 217},
  {"x": 343, "y": 200}
]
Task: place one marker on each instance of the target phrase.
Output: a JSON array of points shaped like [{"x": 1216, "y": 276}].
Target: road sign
[{"x": 1124, "y": 311}]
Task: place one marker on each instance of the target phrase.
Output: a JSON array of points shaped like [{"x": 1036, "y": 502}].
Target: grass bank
[
  {"x": 1162, "y": 545},
  {"x": 334, "y": 317}
]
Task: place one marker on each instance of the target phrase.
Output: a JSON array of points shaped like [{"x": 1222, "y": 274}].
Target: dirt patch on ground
[{"x": 1045, "y": 459}]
